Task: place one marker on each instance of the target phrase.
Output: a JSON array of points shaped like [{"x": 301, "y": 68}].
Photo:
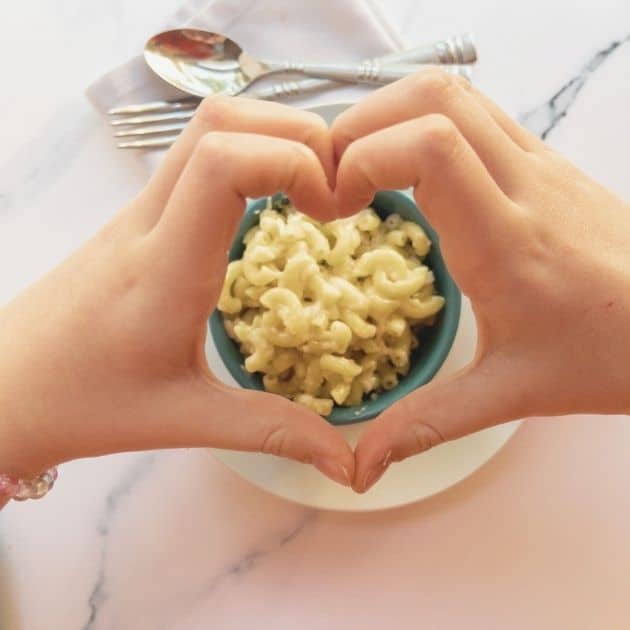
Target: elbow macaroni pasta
[{"x": 328, "y": 313}]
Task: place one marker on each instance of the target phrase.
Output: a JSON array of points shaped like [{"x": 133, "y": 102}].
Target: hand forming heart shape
[{"x": 132, "y": 305}]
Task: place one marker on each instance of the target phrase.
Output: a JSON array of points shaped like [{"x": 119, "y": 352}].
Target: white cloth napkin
[{"x": 309, "y": 30}]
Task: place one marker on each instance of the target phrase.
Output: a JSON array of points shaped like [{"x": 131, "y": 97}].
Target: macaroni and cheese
[{"x": 328, "y": 312}]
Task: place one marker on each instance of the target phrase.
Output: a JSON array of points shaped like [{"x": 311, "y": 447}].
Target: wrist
[
  {"x": 21, "y": 456},
  {"x": 612, "y": 360},
  {"x": 24, "y": 438},
  {"x": 624, "y": 341}
]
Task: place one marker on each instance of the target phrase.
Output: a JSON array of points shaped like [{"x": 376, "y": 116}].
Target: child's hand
[
  {"x": 106, "y": 353},
  {"x": 542, "y": 251}
]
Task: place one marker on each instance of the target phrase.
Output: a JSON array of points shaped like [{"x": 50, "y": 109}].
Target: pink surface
[{"x": 538, "y": 538}]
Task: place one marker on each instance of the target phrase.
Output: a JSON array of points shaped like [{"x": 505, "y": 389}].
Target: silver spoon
[{"x": 203, "y": 63}]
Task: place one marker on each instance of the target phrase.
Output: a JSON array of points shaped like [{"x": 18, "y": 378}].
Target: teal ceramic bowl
[{"x": 435, "y": 341}]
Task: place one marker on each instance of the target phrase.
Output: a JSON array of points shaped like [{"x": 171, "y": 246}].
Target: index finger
[
  {"x": 207, "y": 202},
  {"x": 432, "y": 91},
  {"x": 451, "y": 184},
  {"x": 241, "y": 115}
]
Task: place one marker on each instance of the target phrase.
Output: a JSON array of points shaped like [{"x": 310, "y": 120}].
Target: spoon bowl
[{"x": 197, "y": 62}]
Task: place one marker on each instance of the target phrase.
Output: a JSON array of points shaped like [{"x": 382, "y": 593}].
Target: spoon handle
[
  {"x": 308, "y": 86},
  {"x": 372, "y": 72},
  {"x": 457, "y": 49}
]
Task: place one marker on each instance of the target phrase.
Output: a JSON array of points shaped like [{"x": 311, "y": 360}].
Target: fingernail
[
  {"x": 375, "y": 474},
  {"x": 387, "y": 459},
  {"x": 333, "y": 470}
]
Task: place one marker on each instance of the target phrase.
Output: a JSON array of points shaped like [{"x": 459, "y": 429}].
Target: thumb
[
  {"x": 473, "y": 399},
  {"x": 208, "y": 413}
]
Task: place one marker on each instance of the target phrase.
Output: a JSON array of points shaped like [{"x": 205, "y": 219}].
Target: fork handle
[{"x": 458, "y": 49}]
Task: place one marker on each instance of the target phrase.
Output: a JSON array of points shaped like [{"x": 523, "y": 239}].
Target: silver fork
[{"x": 157, "y": 124}]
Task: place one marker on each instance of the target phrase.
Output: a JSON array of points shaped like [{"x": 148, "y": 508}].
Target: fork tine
[
  {"x": 147, "y": 130},
  {"x": 151, "y": 118},
  {"x": 148, "y": 143},
  {"x": 155, "y": 106}
]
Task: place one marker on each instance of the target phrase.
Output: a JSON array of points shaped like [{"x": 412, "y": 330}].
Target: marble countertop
[{"x": 538, "y": 538}]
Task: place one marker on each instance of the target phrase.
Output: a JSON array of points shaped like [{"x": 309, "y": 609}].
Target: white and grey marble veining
[
  {"x": 543, "y": 119},
  {"x": 537, "y": 538},
  {"x": 112, "y": 503},
  {"x": 249, "y": 559},
  {"x": 39, "y": 162}
]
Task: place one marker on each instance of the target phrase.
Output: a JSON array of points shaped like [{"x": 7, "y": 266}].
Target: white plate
[{"x": 404, "y": 483}]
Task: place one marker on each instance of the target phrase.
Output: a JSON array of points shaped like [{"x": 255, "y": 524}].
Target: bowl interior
[{"x": 435, "y": 341}]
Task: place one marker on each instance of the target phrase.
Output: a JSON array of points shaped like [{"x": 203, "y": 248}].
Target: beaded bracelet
[{"x": 22, "y": 489}]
